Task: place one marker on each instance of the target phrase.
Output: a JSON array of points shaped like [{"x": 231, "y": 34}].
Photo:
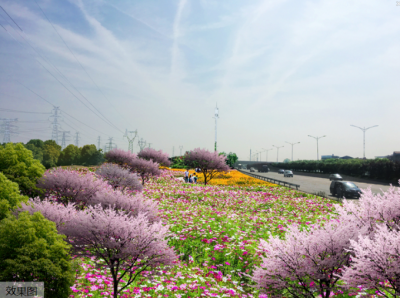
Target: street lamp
[
  {"x": 266, "y": 150},
  {"x": 364, "y": 130},
  {"x": 292, "y": 147},
  {"x": 277, "y": 151},
  {"x": 317, "y": 138}
]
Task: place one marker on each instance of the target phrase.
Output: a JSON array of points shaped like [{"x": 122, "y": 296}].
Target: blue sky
[{"x": 279, "y": 71}]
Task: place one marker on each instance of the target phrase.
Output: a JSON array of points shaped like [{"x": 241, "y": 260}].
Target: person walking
[
  {"x": 186, "y": 175},
  {"x": 194, "y": 178}
]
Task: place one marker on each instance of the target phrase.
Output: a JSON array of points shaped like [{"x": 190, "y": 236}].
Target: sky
[{"x": 278, "y": 71}]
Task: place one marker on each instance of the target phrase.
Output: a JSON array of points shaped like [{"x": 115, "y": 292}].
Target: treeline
[
  {"x": 51, "y": 155},
  {"x": 178, "y": 162},
  {"x": 383, "y": 169}
]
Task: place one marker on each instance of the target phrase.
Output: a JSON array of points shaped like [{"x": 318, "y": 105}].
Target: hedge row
[{"x": 381, "y": 169}]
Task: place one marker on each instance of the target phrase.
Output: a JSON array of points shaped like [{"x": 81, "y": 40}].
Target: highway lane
[{"x": 311, "y": 184}]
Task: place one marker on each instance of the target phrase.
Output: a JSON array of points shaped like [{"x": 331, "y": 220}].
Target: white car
[{"x": 287, "y": 173}]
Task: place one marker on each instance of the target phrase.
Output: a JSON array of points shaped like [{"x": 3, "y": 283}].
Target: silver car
[
  {"x": 335, "y": 177},
  {"x": 288, "y": 173},
  {"x": 281, "y": 171}
]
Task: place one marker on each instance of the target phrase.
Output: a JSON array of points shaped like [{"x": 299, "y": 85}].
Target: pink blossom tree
[
  {"x": 55, "y": 212},
  {"x": 70, "y": 186},
  {"x": 307, "y": 263},
  {"x": 154, "y": 155},
  {"x": 210, "y": 163},
  {"x": 376, "y": 264},
  {"x": 119, "y": 156},
  {"x": 144, "y": 168},
  {"x": 126, "y": 245},
  {"x": 119, "y": 178},
  {"x": 373, "y": 209}
]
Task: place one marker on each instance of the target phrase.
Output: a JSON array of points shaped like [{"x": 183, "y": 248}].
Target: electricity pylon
[
  {"x": 110, "y": 146},
  {"x": 77, "y": 139},
  {"x": 56, "y": 125},
  {"x": 142, "y": 144},
  {"x": 150, "y": 144},
  {"x": 180, "y": 148},
  {"x": 8, "y": 128},
  {"x": 98, "y": 143},
  {"x": 130, "y": 140},
  {"x": 64, "y": 139}
]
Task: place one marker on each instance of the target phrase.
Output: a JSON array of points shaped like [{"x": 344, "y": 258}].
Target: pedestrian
[
  {"x": 194, "y": 178},
  {"x": 186, "y": 175},
  {"x": 190, "y": 179}
]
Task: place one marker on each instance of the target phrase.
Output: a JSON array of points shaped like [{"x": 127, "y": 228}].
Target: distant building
[
  {"x": 329, "y": 156},
  {"x": 346, "y": 157},
  {"x": 394, "y": 157}
]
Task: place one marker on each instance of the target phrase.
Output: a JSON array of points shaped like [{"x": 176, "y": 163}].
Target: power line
[
  {"x": 10, "y": 18},
  {"x": 59, "y": 35},
  {"x": 47, "y": 60},
  {"x": 16, "y": 111}
]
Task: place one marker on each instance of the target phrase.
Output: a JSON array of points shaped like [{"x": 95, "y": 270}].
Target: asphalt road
[{"x": 321, "y": 184}]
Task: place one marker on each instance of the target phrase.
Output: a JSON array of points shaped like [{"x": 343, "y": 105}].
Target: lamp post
[
  {"x": 266, "y": 150},
  {"x": 292, "y": 147},
  {"x": 277, "y": 151},
  {"x": 317, "y": 138},
  {"x": 364, "y": 130}
]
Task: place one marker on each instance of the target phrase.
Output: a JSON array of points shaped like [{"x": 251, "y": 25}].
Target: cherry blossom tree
[
  {"x": 70, "y": 186},
  {"x": 126, "y": 245},
  {"x": 376, "y": 264},
  {"x": 210, "y": 163},
  {"x": 144, "y": 168},
  {"x": 119, "y": 178},
  {"x": 154, "y": 155},
  {"x": 119, "y": 156},
  {"x": 307, "y": 263}
]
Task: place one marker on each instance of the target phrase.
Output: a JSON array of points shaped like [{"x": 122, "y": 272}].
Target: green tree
[
  {"x": 31, "y": 249},
  {"x": 286, "y": 160},
  {"x": 71, "y": 155},
  {"x": 231, "y": 158},
  {"x": 90, "y": 156},
  {"x": 18, "y": 165},
  {"x": 51, "y": 153},
  {"x": 36, "y": 146},
  {"x": 9, "y": 196},
  {"x": 37, "y": 143}
]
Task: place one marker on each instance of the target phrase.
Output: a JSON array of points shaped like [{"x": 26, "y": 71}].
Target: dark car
[
  {"x": 344, "y": 189},
  {"x": 264, "y": 169},
  {"x": 252, "y": 169},
  {"x": 335, "y": 177},
  {"x": 281, "y": 171}
]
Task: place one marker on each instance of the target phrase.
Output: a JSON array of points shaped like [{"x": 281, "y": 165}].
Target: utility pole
[
  {"x": 131, "y": 139},
  {"x": 180, "y": 148},
  {"x": 277, "y": 151},
  {"x": 77, "y": 139},
  {"x": 216, "y": 117},
  {"x": 142, "y": 144},
  {"x": 8, "y": 128},
  {"x": 173, "y": 151},
  {"x": 56, "y": 125},
  {"x": 266, "y": 150},
  {"x": 364, "y": 130},
  {"x": 317, "y": 138},
  {"x": 64, "y": 139},
  {"x": 250, "y": 154},
  {"x": 98, "y": 143},
  {"x": 292, "y": 147}
]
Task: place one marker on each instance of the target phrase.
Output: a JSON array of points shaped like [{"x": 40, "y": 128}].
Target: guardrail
[{"x": 284, "y": 183}]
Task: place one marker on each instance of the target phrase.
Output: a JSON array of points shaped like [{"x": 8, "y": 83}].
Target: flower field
[
  {"x": 215, "y": 229},
  {"x": 233, "y": 178}
]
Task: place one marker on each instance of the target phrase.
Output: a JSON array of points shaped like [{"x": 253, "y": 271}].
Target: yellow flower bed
[{"x": 234, "y": 177}]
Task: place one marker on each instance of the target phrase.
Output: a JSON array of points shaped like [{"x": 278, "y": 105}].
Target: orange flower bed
[{"x": 234, "y": 177}]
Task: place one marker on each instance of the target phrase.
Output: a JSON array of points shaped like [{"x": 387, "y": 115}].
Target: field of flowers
[
  {"x": 215, "y": 231},
  {"x": 233, "y": 178}
]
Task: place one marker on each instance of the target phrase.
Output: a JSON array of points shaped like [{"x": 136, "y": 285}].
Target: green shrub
[
  {"x": 9, "y": 196},
  {"x": 18, "y": 165},
  {"x": 31, "y": 249}
]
